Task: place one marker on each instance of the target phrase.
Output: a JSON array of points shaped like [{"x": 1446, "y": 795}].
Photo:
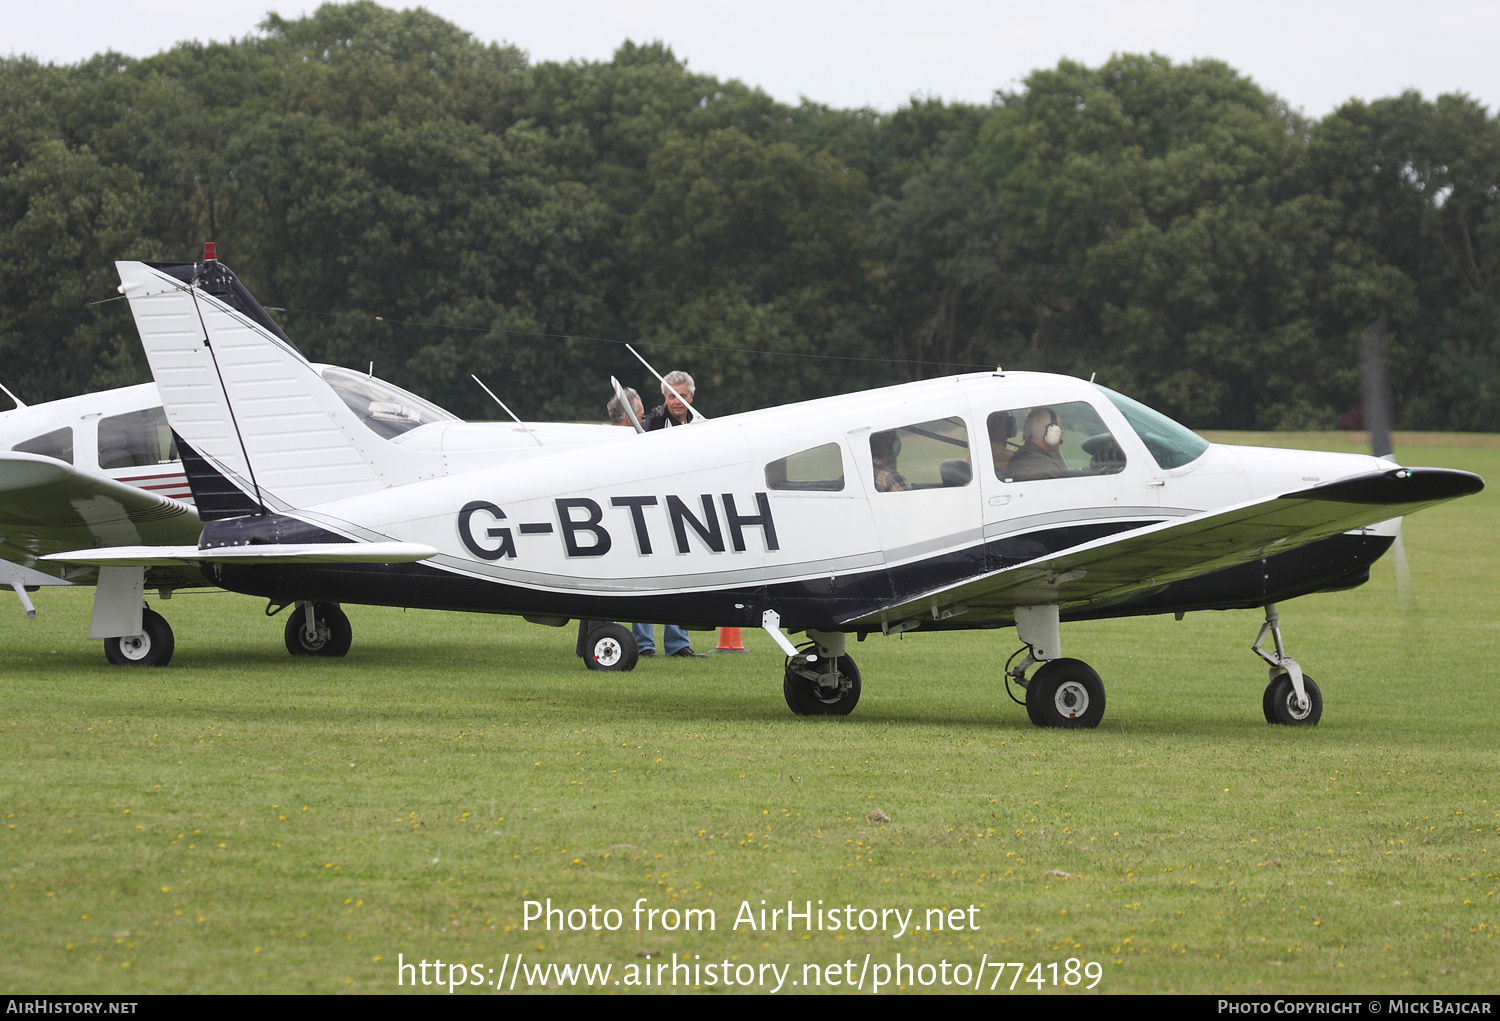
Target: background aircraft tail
[{"x": 247, "y": 405}]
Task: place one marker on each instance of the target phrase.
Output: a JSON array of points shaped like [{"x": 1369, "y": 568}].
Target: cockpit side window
[
  {"x": 384, "y": 408},
  {"x": 58, "y": 443},
  {"x": 928, "y": 455},
  {"x": 818, "y": 469},
  {"x": 1052, "y": 441},
  {"x": 136, "y": 439}
]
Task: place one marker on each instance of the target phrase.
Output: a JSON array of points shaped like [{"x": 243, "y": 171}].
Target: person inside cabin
[
  {"x": 885, "y": 447},
  {"x": 1040, "y": 456}
]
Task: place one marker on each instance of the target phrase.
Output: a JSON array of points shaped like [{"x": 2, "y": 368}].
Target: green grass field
[{"x": 242, "y": 822}]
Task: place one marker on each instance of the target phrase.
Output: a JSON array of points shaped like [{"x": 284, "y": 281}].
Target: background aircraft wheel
[
  {"x": 806, "y": 697},
  {"x": 334, "y": 631},
  {"x": 1280, "y": 702},
  {"x": 1065, "y": 693},
  {"x": 153, "y": 647},
  {"x": 610, "y": 647}
]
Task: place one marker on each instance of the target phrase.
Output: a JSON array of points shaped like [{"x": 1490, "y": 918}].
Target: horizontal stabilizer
[{"x": 290, "y": 553}]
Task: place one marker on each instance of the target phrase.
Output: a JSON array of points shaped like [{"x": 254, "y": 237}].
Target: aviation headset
[
  {"x": 885, "y": 444},
  {"x": 1051, "y": 435}
]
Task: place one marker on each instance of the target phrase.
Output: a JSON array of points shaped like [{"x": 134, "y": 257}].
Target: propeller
[{"x": 1378, "y": 422}]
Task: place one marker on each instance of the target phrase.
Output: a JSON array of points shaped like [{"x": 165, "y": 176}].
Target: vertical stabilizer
[{"x": 246, "y": 400}]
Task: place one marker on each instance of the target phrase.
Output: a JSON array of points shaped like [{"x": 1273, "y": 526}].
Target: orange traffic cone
[{"x": 730, "y": 641}]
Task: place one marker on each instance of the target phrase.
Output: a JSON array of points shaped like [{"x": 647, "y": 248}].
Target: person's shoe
[
  {"x": 688, "y": 653},
  {"x": 646, "y": 654}
]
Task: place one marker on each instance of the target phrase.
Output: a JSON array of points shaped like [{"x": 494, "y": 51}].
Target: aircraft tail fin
[{"x": 246, "y": 402}]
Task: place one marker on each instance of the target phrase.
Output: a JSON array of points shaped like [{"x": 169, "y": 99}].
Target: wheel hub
[
  {"x": 608, "y": 652},
  {"x": 136, "y": 648},
  {"x": 1072, "y": 699}
]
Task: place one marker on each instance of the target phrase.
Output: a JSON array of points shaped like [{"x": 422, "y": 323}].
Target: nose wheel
[
  {"x": 1282, "y": 706},
  {"x": 1291, "y": 699}
]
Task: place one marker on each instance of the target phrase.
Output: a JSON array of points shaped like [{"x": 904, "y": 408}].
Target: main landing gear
[
  {"x": 152, "y": 647},
  {"x": 1062, "y": 692},
  {"x": 318, "y": 629},
  {"x": 1291, "y": 698},
  {"x": 609, "y": 646},
  {"x": 821, "y": 679}
]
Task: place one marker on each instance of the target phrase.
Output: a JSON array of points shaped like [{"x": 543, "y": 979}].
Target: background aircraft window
[
  {"x": 58, "y": 444},
  {"x": 386, "y": 409},
  {"x": 1052, "y": 441},
  {"x": 929, "y": 455},
  {"x": 1170, "y": 444},
  {"x": 136, "y": 439},
  {"x": 818, "y": 469}
]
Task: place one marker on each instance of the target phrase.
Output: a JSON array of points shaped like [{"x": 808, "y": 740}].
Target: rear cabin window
[
  {"x": 928, "y": 455},
  {"x": 137, "y": 439},
  {"x": 58, "y": 444},
  {"x": 815, "y": 470},
  {"x": 1052, "y": 441}
]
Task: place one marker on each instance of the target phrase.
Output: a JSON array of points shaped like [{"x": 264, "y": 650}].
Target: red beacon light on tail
[{"x": 209, "y": 253}]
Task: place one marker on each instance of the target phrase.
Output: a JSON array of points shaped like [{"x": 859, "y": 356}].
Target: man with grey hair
[
  {"x": 616, "y": 410},
  {"x": 672, "y": 411}
]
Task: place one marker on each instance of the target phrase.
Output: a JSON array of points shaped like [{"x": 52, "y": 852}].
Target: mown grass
[{"x": 244, "y": 822}]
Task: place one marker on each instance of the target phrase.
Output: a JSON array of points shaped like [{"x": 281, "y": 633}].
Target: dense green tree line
[{"x": 1172, "y": 228}]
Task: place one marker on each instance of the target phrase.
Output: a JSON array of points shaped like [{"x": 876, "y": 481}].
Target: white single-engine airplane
[
  {"x": 105, "y": 468},
  {"x": 974, "y": 501}
]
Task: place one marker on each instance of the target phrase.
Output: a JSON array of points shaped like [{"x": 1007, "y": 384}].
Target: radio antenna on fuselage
[
  {"x": 19, "y": 403},
  {"x": 512, "y": 414},
  {"x": 625, "y": 403},
  {"x": 697, "y": 415}
]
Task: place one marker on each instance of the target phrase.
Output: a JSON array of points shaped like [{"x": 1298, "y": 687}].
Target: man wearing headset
[{"x": 1040, "y": 457}]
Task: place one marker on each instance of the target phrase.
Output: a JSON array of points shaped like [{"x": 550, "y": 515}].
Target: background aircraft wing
[
  {"x": 1117, "y": 568},
  {"x": 48, "y": 506}
]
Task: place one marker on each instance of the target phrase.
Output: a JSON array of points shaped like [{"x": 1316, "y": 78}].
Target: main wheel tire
[
  {"x": 610, "y": 647},
  {"x": 805, "y": 696},
  {"x": 1280, "y": 702},
  {"x": 334, "y": 631},
  {"x": 152, "y": 647},
  {"x": 1065, "y": 693}
]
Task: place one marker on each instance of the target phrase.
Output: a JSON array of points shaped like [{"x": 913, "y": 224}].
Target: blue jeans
[{"x": 645, "y": 638}]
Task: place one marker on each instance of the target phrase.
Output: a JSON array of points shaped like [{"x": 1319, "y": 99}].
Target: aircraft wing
[
  {"x": 49, "y": 506},
  {"x": 1116, "y": 568}
]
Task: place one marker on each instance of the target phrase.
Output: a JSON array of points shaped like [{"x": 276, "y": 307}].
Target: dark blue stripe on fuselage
[{"x": 1338, "y": 562}]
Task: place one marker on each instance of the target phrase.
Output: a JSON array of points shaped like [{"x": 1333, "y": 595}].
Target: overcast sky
[{"x": 847, "y": 53}]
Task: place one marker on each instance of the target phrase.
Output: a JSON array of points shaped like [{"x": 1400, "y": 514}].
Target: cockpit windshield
[
  {"x": 1170, "y": 444},
  {"x": 386, "y": 409}
]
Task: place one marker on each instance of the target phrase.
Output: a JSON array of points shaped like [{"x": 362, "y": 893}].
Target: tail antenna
[{"x": 512, "y": 414}]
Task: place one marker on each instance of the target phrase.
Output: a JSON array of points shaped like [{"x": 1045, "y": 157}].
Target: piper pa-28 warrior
[{"x": 976, "y": 501}]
